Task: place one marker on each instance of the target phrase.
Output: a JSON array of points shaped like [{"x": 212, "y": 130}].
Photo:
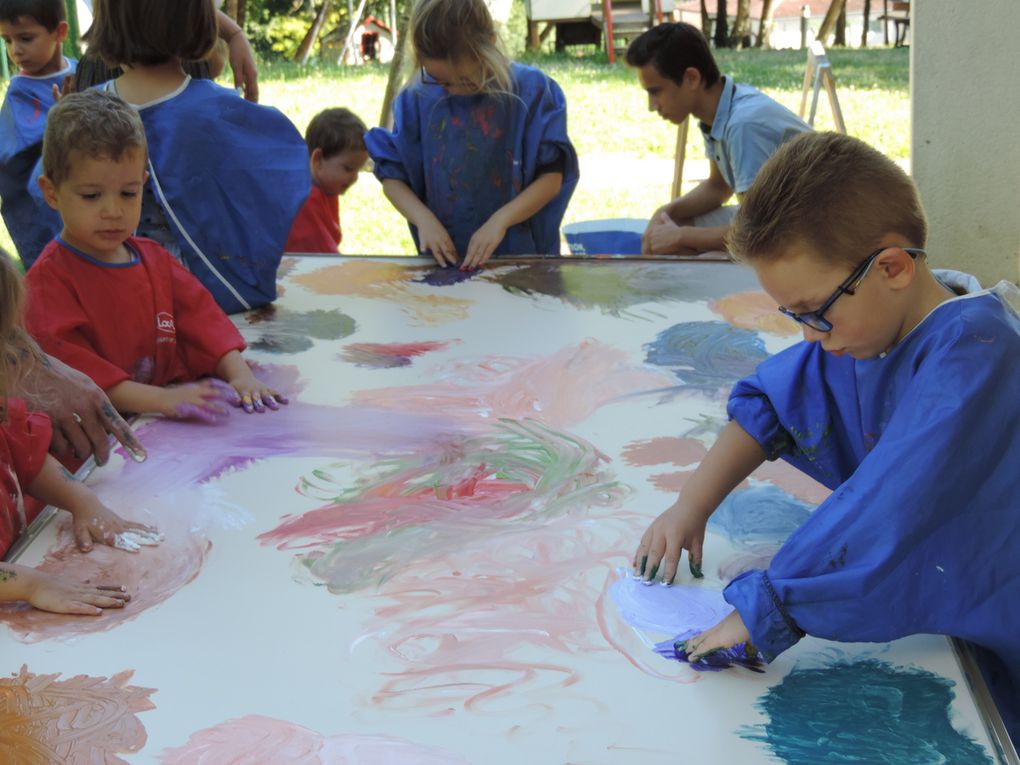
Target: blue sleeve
[
  {"x": 798, "y": 406},
  {"x": 922, "y": 537},
  {"x": 398, "y": 153}
]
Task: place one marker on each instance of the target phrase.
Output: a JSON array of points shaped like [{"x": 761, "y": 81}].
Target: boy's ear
[
  {"x": 692, "y": 77},
  {"x": 49, "y": 191},
  {"x": 316, "y": 157},
  {"x": 897, "y": 266},
  {"x": 61, "y": 31}
]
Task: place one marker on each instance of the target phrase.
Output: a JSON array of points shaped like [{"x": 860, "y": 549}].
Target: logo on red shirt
[{"x": 165, "y": 323}]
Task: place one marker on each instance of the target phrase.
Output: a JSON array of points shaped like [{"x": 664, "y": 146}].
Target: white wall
[{"x": 965, "y": 97}]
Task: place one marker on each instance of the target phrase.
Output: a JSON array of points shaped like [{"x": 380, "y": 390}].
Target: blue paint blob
[
  {"x": 707, "y": 354},
  {"x": 717, "y": 661},
  {"x": 761, "y": 515},
  {"x": 445, "y": 277},
  {"x": 865, "y": 711}
]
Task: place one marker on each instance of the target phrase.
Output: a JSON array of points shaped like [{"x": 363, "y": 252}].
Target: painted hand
[
  {"x": 50, "y": 593},
  {"x": 208, "y": 400},
  {"x": 254, "y": 395},
  {"x": 95, "y": 522},
  {"x": 679, "y": 528},
  {"x": 82, "y": 415},
  {"x": 483, "y": 243},
  {"x": 433, "y": 238},
  {"x": 729, "y": 632}
]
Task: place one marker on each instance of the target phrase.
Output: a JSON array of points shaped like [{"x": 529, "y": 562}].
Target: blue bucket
[{"x": 609, "y": 236}]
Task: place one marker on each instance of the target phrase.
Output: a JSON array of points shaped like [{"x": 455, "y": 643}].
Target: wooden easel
[
  {"x": 818, "y": 75},
  {"x": 681, "y": 153}
]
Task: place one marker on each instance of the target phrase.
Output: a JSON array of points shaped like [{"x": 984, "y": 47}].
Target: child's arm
[
  {"x": 432, "y": 235},
  {"x": 93, "y": 521},
  {"x": 50, "y": 593},
  {"x": 708, "y": 195},
  {"x": 485, "y": 240},
  {"x": 205, "y": 400},
  {"x": 732, "y": 458},
  {"x": 255, "y": 395}
]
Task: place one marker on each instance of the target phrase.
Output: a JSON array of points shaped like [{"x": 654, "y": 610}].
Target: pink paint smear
[
  {"x": 562, "y": 389},
  {"x": 254, "y": 739},
  {"x": 388, "y": 355}
]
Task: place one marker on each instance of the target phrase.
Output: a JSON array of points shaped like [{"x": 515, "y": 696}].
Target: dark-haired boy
[
  {"x": 336, "y": 154},
  {"x": 904, "y": 400},
  {"x": 33, "y": 32},
  {"x": 741, "y": 126}
]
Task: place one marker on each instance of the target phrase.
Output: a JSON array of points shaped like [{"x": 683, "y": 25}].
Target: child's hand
[
  {"x": 255, "y": 395},
  {"x": 95, "y": 522},
  {"x": 50, "y": 593},
  {"x": 729, "y": 632},
  {"x": 679, "y": 528},
  {"x": 432, "y": 237},
  {"x": 207, "y": 400},
  {"x": 664, "y": 237},
  {"x": 483, "y": 243}
]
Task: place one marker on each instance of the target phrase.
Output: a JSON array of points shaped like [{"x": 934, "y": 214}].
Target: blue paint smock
[
  {"x": 31, "y": 222},
  {"x": 467, "y": 156},
  {"x": 921, "y": 447}
]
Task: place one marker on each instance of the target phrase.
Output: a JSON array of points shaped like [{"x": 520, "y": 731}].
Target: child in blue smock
[
  {"x": 904, "y": 399},
  {"x": 226, "y": 176},
  {"x": 33, "y": 32},
  {"x": 478, "y": 160}
]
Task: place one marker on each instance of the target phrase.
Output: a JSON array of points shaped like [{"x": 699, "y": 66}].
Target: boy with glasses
[{"x": 904, "y": 400}]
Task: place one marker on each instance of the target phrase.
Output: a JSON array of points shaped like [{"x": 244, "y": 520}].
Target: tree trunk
[
  {"x": 867, "y": 20},
  {"x": 396, "y": 77},
  {"x": 829, "y": 22},
  {"x": 304, "y": 50},
  {"x": 840, "y": 39},
  {"x": 768, "y": 15},
  {"x": 242, "y": 12},
  {"x": 706, "y": 21},
  {"x": 721, "y": 33},
  {"x": 741, "y": 24},
  {"x": 230, "y": 8}
]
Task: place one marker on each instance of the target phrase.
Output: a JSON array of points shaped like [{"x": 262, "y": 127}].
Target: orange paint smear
[
  {"x": 664, "y": 450},
  {"x": 386, "y": 281},
  {"x": 151, "y": 576},
  {"x": 754, "y": 310},
  {"x": 78, "y": 721}
]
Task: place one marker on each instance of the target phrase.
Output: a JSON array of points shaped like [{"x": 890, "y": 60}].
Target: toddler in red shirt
[{"x": 336, "y": 154}]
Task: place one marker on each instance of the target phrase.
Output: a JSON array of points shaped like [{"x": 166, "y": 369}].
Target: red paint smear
[
  {"x": 664, "y": 450},
  {"x": 402, "y": 350}
]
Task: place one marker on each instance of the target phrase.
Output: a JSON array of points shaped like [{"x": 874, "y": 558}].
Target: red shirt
[
  {"x": 24, "y": 443},
  {"x": 317, "y": 225},
  {"x": 149, "y": 321}
]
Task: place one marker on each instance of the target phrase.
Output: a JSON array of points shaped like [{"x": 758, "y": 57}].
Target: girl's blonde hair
[
  {"x": 16, "y": 349},
  {"x": 150, "y": 32},
  {"x": 457, "y": 31}
]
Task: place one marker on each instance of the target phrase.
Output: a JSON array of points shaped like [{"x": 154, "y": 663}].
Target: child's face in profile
[
  {"x": 337, "y": 173},
  {"x": 35, "y": 50},
  {"x": 100, "y": 202},
  {"x": 459, "y": 78},
  {"x": 668, "y": 99},
  {"x": 864, "y": 324}
]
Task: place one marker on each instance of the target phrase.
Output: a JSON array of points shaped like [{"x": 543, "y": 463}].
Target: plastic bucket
[{"x": 609, "y": 236}]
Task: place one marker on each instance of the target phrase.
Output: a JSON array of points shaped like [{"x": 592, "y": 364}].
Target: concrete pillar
[{"x": 965, "y": 156}]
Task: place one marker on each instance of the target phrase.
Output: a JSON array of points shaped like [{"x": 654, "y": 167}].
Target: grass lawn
[{"x": 626, "y": 151}]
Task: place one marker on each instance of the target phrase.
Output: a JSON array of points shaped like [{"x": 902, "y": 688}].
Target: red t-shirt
[
  {"x": 24, "y": 443},
  {"x": 149, "y": 321},
  {"x": 317, "y": 225}
]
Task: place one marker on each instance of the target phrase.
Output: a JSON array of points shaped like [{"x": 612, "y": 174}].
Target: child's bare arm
[
  {"x": 93, "y": 521},
  {"x": 206, "y": 400},
  {"x": 708, "y": 195},
  {"x": 432, "y": 235},
  {"x": 485, "y": 240},
  {"x": 732, "y": 458},
  {"x": 50, "y": 593},
  {"x": 255, "y": 394}
]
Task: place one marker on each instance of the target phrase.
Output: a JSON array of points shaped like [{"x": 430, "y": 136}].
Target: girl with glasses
[{"x": 478, "y": 160}]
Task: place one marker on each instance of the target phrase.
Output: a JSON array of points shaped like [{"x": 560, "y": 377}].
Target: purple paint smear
[
  {"x": 737, "y": 655},
  {"x": 669, "y": 610}
]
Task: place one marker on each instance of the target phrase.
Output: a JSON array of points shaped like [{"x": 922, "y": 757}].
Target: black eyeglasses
[{"x": 816, "y": 319}]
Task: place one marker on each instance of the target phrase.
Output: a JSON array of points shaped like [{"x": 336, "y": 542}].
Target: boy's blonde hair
[
  {"x": 95, "y": 123},
  {"x": 461, "y": 30},
  {"x": 833, "y": 192},
  {"x": 16, "y": 349},
  {"x": 334, "y": 131},
  {"x": 148, "y": 32}
]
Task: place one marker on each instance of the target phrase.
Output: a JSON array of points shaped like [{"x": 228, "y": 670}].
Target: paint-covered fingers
[
  {"x": 255, "y": 397},
  {"x": 50, "y": 593},
  {"x": 679, "y": 528},
  {"x": 433, "y": 238},
  {"x": 118, "y": 427},
  {"x": 208, "y": 401},
  {"x": 729, "y": 632},
  {"x": 483, "y": 243},
  {"x": 95, "y": 522}
]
